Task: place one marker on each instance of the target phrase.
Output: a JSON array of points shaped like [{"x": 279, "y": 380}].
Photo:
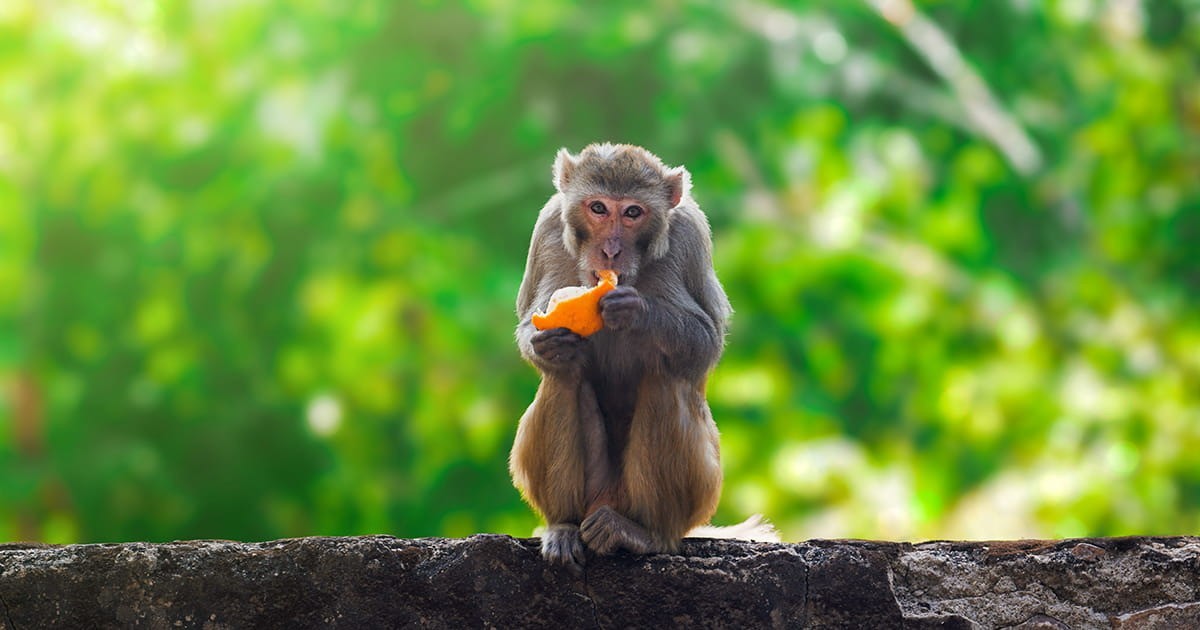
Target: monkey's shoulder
[
  {"x": 550, "y": 231},
  {"x": 550, "y": 217},
  {"x": 548, "y": 237},
  {"x": 688, "y": 220},
  {"x": 690, "y": 236}
]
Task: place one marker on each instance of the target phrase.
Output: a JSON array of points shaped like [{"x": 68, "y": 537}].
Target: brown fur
[{"x": 622, "y": 422}]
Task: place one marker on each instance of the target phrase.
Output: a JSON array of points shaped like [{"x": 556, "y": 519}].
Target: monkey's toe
[
  {"x": 598, "y": 533},
  {"x": 606, "y": 531},
  {"x": 561, "y": 545}
]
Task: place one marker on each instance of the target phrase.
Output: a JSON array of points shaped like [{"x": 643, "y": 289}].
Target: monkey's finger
[
  {"x": 622, "y": 318},
  {"x": 554, "y": 333},
  {"x": 633, "y": 301},
  {"x": 632, "y": 305},
  {"x": 559, "y": 341},
  {"x": 556, "y": 336},
  {"x": 558, "y": 352},
  {"x": 567, "y": 346},
  {"x": 623, "y": 291}
]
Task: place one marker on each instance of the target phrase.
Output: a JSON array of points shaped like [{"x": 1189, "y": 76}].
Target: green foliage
[{"x": 258, "y": 259}]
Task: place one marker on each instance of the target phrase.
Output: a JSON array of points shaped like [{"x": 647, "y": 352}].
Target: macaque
[{"x": 618, "y": 449}]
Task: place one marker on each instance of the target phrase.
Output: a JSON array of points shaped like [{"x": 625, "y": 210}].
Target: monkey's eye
[
  {"x": 598, "y": 208},
  {"x": 634, "y": 212}
]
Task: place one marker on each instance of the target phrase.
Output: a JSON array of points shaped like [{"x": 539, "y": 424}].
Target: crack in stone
[
  {"x": 8, "y": 622},
  {"x": 1040, "y": 620},
  {"x": 807, "y": 603},
  {"x": 587, "y": 589}
]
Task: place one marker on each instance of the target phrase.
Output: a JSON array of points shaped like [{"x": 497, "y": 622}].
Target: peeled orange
[{"x": 577, "y": 308}]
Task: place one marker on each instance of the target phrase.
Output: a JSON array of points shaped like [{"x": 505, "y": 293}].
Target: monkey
[{"x": 619, "y": 450}]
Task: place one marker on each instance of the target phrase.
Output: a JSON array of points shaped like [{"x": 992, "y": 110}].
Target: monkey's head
[{"x": 617, "y": 199}]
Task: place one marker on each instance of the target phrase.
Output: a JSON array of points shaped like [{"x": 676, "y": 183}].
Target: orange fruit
[{"x": 577, "y": 308}]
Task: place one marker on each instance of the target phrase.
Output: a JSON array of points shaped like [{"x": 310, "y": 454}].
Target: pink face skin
[{"x": 615, "y": 224}]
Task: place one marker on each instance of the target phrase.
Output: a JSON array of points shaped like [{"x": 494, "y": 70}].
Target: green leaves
[{"x": 258, "y": 261}]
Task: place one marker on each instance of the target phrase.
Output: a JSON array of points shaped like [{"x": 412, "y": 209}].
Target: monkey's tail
[{"x": 755, "y": 528}]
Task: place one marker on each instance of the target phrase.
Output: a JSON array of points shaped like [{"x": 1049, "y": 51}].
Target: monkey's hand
[
  {"x": 558, "y": 348},
  {"x": 561, "y": 545},
  {"x": 623, "y": 308},
  {"x": 605, "y": 531}
]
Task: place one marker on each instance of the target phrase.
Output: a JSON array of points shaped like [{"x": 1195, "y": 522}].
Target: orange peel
[{"x": 577, "y": 308}]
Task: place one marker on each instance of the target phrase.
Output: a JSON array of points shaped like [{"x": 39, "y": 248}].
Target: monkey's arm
[
  {"x": 685, "y": 335},
  {"x": 548, "y": 350},
  {"x": 679, "y": 311}
]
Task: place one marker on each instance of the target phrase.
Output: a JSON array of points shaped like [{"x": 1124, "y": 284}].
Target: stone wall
[{"x": 497, "y": 581}]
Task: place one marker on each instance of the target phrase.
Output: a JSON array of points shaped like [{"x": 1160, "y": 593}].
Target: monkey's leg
[
  {"x": 562, "y": 543},
  {"x": 600, "y": 480},
  {"x": 605, "y": 531},
  {"x": 547, "y": 465},
  {"x": 671, "y": 476},
  {"x": 581, "y": 472}
]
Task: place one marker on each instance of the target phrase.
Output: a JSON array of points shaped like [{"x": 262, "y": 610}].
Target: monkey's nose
[{"x": 612, "y": 248}]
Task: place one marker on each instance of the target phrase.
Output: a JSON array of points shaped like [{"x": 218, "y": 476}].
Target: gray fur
[{"x": 568, "y": 459}]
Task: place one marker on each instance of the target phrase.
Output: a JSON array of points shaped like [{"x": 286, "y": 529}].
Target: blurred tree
[{"x": 258, "y": 259}]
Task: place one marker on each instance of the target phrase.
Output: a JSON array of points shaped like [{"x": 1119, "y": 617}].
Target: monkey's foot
[
  {"x": 561, "y": 545},
  {"x": 605, "y": 531}
]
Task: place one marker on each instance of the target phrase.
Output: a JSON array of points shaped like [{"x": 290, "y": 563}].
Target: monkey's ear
[
  {"x": 679, "y": 184},
  {"x": 564, "y": 167}
]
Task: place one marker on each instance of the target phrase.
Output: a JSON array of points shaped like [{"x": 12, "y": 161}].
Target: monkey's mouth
[{"x": 596, "y": 276}]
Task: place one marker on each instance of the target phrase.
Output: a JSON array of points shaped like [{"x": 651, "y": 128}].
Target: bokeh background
[{"x": 258, "y": 258}]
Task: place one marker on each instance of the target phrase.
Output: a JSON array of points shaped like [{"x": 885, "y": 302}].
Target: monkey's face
[
  {"x": 617, "y": 232},
  {"x": 617, "y": 200}
]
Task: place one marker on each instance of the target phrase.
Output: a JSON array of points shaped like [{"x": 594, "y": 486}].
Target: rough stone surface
[{"x": 496, "y": 581}]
